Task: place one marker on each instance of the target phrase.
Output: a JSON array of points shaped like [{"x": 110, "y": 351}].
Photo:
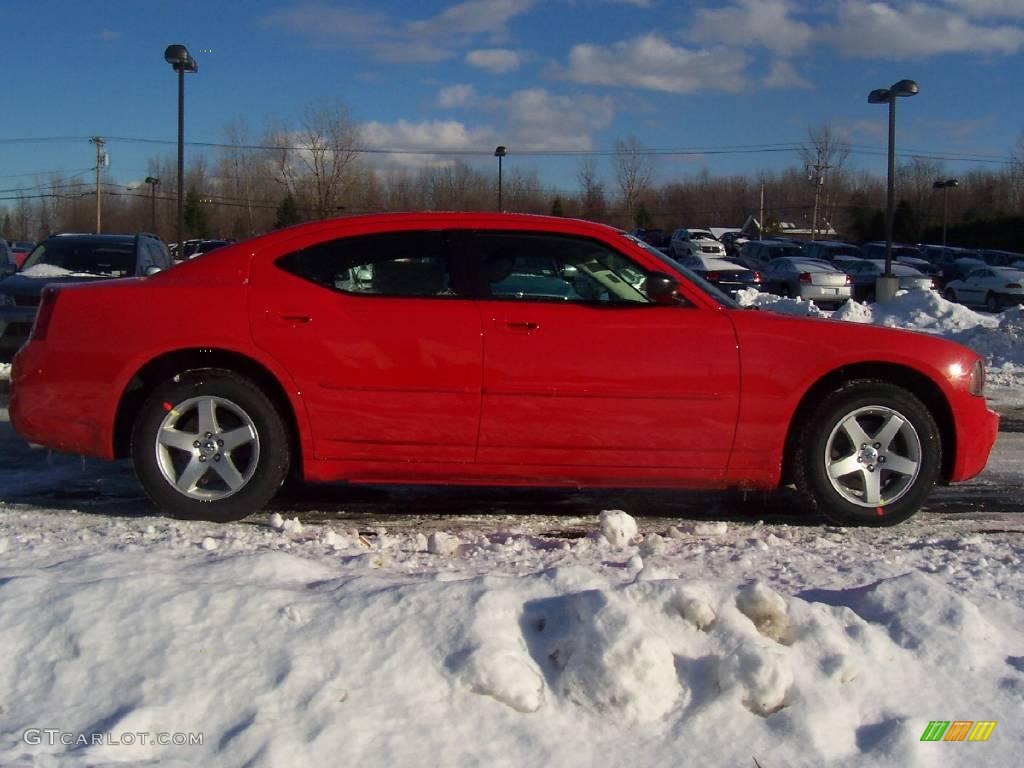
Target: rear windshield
[{"x": 109, "y": 259}]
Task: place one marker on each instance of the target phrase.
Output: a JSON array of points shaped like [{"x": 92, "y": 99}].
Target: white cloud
[
  {"x": 764, "y": 23},
  {"x": 456, "y": 96},
  {"x": 915, "y": 30},
  {"x": 784, "y": 75},
  {"x": 652, "y": 63},
  {"x": 989, "y": 8},
  {"x": 537, "y": 119},
  {"x": 495, "y": 60},
  {"x": 432, "y": 39}
]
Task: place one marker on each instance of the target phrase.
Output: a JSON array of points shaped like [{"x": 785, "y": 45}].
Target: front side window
[
  {"x": 550, "y": 267},
  {"x": 412, "y": 264}
]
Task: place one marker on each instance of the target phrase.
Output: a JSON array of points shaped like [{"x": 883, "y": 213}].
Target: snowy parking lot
[{"x": 403, "y": 627}]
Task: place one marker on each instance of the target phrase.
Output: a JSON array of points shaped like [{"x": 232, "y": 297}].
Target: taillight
[
  {"x": 711, "y": 277},
  {"x": 45, "y": 313},
  {"x": 1013, "y": 285},
  {"x": 757, "y": 277},
  {"x": 805, "y": 277},
  {"x": 849, "y": 280}
]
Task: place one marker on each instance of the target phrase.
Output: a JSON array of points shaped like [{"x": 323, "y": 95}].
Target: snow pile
[
  {"x": 48, "y": 270},
  {"x": 617, "y": 527},
  {"x": 5, "y": 371},
  {"x": 279, "y": 659},
  {"x": 751, "y": 297}
]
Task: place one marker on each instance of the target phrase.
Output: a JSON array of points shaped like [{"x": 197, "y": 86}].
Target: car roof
[
  {"x": 803, "y": 261},
  {"x": 717, "y": 262},
  {"x": 84, "y": 238}
]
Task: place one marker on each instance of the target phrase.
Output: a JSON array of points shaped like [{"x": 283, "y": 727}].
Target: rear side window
[{"x": 394, "y": 264}]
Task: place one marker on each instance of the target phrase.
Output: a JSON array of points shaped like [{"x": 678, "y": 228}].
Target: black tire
[
  {"x": 825, "y": 442},
  {"x": 950, "y": 295},
  {"x": 235, "y": 481},
  {"x": 992, "y": 302}
]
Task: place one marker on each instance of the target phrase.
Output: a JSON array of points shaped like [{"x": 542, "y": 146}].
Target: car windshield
[
  {"x": 113, "y": 259},
  {"x": 674, "y": 266}
]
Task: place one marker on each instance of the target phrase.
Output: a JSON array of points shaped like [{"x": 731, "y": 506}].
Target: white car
[
  {"x": 694, "y": 242},
  {"x": 993, "y": 287}
]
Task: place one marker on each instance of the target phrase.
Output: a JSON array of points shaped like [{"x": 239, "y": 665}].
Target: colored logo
[{"x": 959, "y": 730}]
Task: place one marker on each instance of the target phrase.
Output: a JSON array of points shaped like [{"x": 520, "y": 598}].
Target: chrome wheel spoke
[
  {"x": 855, "y": 432},
  {"x": 229, "y": 473},
  {"x": 206, "y": 410},
  {"x": 845, "y": 466},
  {"x": 873, "y": 488},
  {"x": 888, "y": 431},
  {"x": 901, "y": 465},
  {"x": 191, "y": 475},
  {"x": 175, "y": 438},
  {"x": 236, "y": 438}
]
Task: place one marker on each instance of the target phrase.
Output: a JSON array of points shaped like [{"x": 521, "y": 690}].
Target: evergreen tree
[
  {"x": 556, "y": 207},
  {"x": 196, "y": 224},
  {"x": 287, "y": 213}
]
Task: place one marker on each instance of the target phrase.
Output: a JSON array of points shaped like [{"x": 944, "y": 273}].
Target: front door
[{"x": 582, "y": 369}]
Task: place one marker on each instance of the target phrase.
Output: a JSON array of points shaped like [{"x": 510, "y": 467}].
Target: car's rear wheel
[
  {"x": 869, "y": 454},
  {"x": 950, "y": 294},
  {"x": 210, "y": 445}
]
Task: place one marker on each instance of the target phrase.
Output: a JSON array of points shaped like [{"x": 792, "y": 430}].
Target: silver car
[
  {"x": 865, "y": 274},
  {"x": 808, "y": 279}
]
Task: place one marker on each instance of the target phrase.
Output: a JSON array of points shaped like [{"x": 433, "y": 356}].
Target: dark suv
[{"x": 71, "y": 259}]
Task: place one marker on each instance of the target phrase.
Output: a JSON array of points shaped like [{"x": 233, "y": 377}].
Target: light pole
[
  {"x": 499, "y": 152},
  {"x": 887, "y": 283},
  {"x": 181, "y": 61},
  {"x": 153, "y": 182},
  {"x": 944, "y": 186}
]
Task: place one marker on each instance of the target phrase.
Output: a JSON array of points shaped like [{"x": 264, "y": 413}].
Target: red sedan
[{"x": 486, "y": 349}]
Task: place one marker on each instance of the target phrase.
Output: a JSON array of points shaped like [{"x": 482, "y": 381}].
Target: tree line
[{"x": 320, "y": 166}]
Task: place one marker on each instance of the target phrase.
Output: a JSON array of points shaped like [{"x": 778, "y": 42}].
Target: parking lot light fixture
[
  {"x": 944, "y": 185},
  {"x": 153, "y": 182},
  {"x": 887, "y": 283},
  {"x": 500, "y": 152},
  {"x": 181, "y": 61}
]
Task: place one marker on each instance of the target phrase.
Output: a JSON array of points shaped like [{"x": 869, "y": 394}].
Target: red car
[{"x": 485, "y": 349}]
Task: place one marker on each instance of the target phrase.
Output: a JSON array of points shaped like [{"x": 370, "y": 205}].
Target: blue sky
[{"x": 535, "y": 75}]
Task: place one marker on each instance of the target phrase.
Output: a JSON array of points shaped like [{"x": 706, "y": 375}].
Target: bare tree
[
  {"x": 593, "y": 204},
  {"x": 824, "y": 158},
  {"x": 633, "y": 172}
]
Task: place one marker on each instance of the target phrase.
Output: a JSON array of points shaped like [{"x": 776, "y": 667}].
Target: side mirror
[
  {"x": 661, "y": 288},
  {"x": 152, "y": 270}
]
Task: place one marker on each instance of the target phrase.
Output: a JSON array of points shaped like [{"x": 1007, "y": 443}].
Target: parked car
[
  {"x": 691, "y": 242},
  {"x": 991, "y": 287},
  {"x": 732, "y": 242},
  {"x": 807, "y": 279},
  {"x": 205, "y": 246},
  {"x": 923, "y": 266},
  {"x": 21, "y": 249},
  {"x": 433, "y": 376},
  {"x": 758, "y": 253},
  {"x": 876, "y": 250},
  {"x": 7, "y": 265},
  {"x": 66, "y": 259},
  {"x": 865, "y": 274},
  {"x": 727, "y": 275},
  {"x": 659, "y": 238},
  {"x": 831, "y": 250},
  {"x": 1000, "y": 258}
]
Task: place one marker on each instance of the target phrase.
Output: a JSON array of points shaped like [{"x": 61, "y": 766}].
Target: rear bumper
[
  {"x": 49, "y": 410},
  {"x": 825, "y": 295}
]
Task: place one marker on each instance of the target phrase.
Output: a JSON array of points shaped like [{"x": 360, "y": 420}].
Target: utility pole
[
  {"x": 99, "y": 142},
  {"x": 816, "y": 175},
  {"x": 760, "y": 221}
]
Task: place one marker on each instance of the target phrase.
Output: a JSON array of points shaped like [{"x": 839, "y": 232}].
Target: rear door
[
  {"x": 381, "y": 339},
  {"x": 593, "y": 374}
]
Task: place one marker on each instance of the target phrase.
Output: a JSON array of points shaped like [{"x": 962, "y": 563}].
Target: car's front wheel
[
  {"x": 992, "y": 302},
  {"x": 210, "y": 445},
  {"x": 869, "y": 454}
]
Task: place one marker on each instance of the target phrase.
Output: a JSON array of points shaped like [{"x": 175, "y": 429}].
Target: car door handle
[
  {"x": 522, "y": 325},
  {"x": 293, "y": 319}
]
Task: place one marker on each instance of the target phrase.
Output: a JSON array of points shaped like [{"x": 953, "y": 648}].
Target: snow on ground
[
  {"x": 639, "y": 642},
  {"x": 5, "y": 371}
]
